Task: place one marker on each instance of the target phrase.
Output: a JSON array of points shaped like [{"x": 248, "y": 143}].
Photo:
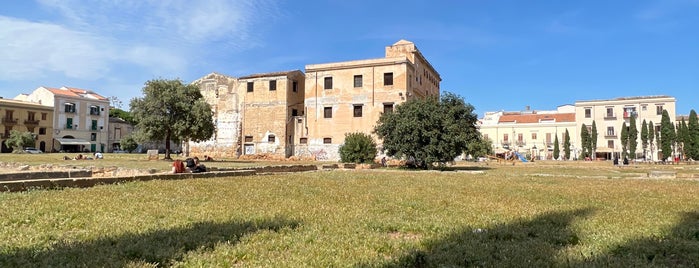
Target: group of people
[
  {"x": 97, "y": 155},
  {"x": 189, "y": 165}
]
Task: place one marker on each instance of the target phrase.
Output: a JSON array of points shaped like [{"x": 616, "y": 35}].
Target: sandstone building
[
  {"x": 30, "y": 117},
  {"x": 290, "y": 113}
]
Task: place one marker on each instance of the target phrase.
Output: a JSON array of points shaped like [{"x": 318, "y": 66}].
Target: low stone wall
[{"x": 78, "y": 173}]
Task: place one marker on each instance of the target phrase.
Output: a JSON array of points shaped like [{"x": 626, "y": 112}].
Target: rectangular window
[
  {"x": 327, "y": 112},
  {"x": 644, "y": 107},
  {"x": 387, "y": 107},
  {"x": 303, "y": 140},
  {"x": 31, "y": 116},
  {"x": 251, "y": 86},
  {"x": 520, "y": 137},
  {"x": 548, "y": 138},
  {"x": 69, "y": 108},
  {"x": 295, "y": 86},
  {"x": 93, "y": 126},
  {"x": 588, "y": 112},
  {"x": 294, "y": 112},
  {"x": 610, "y": 144},
  {"x": 610, "y": 131},
  {"x": 43, "y": 116},
  {"x": 93, "y": 136},
  {"x": 357, "y": 81},
  {"x": 42, "y": 131},
  {"x": 357, "y": 110},
  {"x": 505, "y": 138},
  {"x": 94, "y": 110},
  {"x": 270, "y": 138},
  {"x": 610, "y": 112},
  {"x": 328, "y": 83},
  {"x": 659, "y": 109},
  {"x": 69, "y": 123},
  {"x": 248, "y": 138},
  {"x": 533, "y": 136},
  {"x": 388, "y": 79},
  {"x": 327, "y": 140},
  {"x": 272, "y": 85}
]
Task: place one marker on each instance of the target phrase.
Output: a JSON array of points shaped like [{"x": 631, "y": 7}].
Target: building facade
[
  {"x": 26, "y": 117},
  {"x": 611, "y": 115},
  {"x": 531, "y": 133},
  {"x": 350, "y": 96},
  {"x": 290, "y": 113},
  {"x": 81, "y": 118},
  {"x": 118, "y": 129}
]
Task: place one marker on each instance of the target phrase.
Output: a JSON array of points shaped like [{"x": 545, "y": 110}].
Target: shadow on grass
[
  {"x": 680, "y": 248},
  {"x": 161, "y": 247},
  {"x": 531, "y": 243}
]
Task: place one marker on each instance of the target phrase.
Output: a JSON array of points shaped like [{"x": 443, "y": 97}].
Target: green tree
[
  {"x": 18, "y": 140},
  {"x": 556, "y": 148},
  {"x": 428, "y": 130},
  {"x": 566, "y": 145},
  {"x": 479, "y": 147},
  {"x": 172, "y": 111},
  {"x": 651, "y": 137},
  {"x": 128, "y": 143},
  {"x": 624, "y": 140},
  {"x": 682, "y": 136},
  {"x": 119, "y": 113},
  {"x": 644, "y": 137},
  {"x": 667, "y": 135},
  {"x": 584, "y": 141},
  {"x": 693, "y": 136},
  {"x": 633, "y": 136},
  {"x": 358, "y": 148},
  {"x": 593, "y": 140}
]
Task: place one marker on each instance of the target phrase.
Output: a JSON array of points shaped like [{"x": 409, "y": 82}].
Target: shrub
[{"x": 358, "y": 148}]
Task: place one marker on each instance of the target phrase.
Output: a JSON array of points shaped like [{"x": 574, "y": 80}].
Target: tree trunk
[{"x": 167, "y": 146}]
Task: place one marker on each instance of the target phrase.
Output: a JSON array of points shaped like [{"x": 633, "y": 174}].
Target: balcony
[
  {"x": 521, "y": 143},
  {"x": 9, "y": 121},
  {"x": 610, "y": 117},
  {"x": 31, "y": 122},
  {"x": 613, "y": 136}
]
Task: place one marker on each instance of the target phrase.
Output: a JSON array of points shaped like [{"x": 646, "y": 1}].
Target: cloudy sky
[{"x": 498, "y": 55}]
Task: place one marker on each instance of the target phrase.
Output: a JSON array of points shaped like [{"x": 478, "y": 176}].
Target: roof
[
  {"x": 272, "y": 74},
  {"x": 536, "y": 118},
  {"x": 631, "y": 98},
  {"x": 75, "y": 93}
]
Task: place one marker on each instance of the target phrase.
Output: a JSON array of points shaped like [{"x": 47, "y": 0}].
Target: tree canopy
[
  {"x": 479, "y": 147},
  {"x": 18, "y": 140},
  {"x": 566, "y": 145},
  {"x": 693, "y": 136},
  {"x": 593, "y": 140},
  {"x": 584, "y": 141},
  {"x": 119, "y": 113},
  {"x": 429, "y": 130},
  {"x": 556, "y": 148},
  {"x": 172, "y": 111},
  {"x": 667, "y": 135},
  {"x": 624, "y": 139},
  {"x": 358, "y": 148},
  {"x": 633, "y": 136}
]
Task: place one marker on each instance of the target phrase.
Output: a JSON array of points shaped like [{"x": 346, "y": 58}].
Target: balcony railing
[
  {"x": 521, "y": 143},
  {"x": 9, "y": 121},
  {"x": 31, "y": 122},
  {"x": 610, "y": 117}
]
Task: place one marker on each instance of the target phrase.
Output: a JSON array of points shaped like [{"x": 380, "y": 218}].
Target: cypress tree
[
  {"x": 644, "y": 137},
  {"x": 624, "y": 139},
  {"x": 566, "y": 145},
  {"x": 584, "y": 140},
  {"x": 667, "y": 135},
  {"x": 556, "y": 149},
  {"x": 651, "y": 138},
  {"x": 633, "y": 136},
  {"x": 593, "y": 140},
  {"x": 693, "y": 136}
]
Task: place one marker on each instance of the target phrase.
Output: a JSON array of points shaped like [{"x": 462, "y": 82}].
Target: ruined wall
[{"x": 222, "y": 93}]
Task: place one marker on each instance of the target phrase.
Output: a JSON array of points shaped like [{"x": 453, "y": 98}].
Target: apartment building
[
  {"x": 26, "y": 117},
  {"x": 350, "y": 96},
  {"x": 611, "y": 115},
  {"x": 530, "y": 132},
  {"x": 81, "y": 117}
]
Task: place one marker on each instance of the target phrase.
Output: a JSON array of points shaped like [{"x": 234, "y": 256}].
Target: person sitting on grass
[
  {"x": 178, "y": 167},
  {"x": 198, "y": 167}
]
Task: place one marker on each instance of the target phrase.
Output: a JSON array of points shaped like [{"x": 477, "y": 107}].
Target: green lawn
[{"x": 534, "y": 215}]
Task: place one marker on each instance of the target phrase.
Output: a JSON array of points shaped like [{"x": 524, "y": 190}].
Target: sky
[{"x": 497, "y": 55}]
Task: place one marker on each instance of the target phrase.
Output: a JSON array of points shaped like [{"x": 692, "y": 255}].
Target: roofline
[
  {"x": 627, "y": 99},
  {"x": 356, "y": 64}
]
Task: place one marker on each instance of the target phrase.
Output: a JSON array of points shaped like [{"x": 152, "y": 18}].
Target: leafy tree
[
  {"x": 115, "y": 102},
  {"x": 18, "y": 140},
  {"x": 479, "y": 147},
  {"x": 693, "y": 136},
  {"x": 624, "y": 139},
  {"x": 593, "y": 140},
  {"x": 584, "y": 140},
  {"x": 651, "y": 137},
  {"x": 172, "y": 111},
  {"x": 119, "y": 113},
  {"x": 633, "y": 136},
  {"x": 358, "y": 148},
  {"x": 556, "y": 149},
  {"x": 667, "y": 135},
  {"x": 566, "y": 145},
  {"x": 644, "y": 137},
  {"x": 128, "y": 143},
  {"x": 428, "y": 130}
]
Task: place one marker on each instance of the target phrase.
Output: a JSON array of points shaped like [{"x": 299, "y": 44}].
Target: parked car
[{"x": 32, "y": 150}]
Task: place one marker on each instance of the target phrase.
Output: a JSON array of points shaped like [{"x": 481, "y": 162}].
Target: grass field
[{"x": 534, "y": 215}]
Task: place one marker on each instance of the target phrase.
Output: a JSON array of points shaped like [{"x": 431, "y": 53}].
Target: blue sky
[{"x": 498, "y": 55}]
